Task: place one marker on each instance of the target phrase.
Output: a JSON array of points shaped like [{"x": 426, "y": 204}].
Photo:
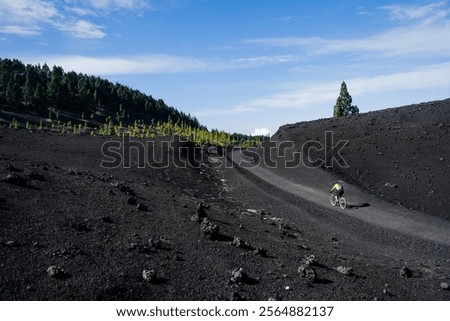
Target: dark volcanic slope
[
  {"x": 58, "y": 207},
  {"x": 401, "y": 154}
]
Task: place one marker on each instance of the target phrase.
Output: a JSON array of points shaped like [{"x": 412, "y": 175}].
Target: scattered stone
[
  {"x": 132, "y": 200},
  {"x": 406, "y": 273},
  {"x": 141, "y": 207},
  {"x": 15, "y": 179},
  {"x": 210, "y": 230},
  {"x": 80, "y": 227},
  {"x": 260, "y": 252},
  {"x": 391, "y": 185},
  {"x": 107, "y": 219},
  {"x": 235, "y": 296},
  {"x": 155, "y": 242},
  {"x": 445, "y": 286},
  {"x": 345, "y": 270},
  {"x": 239, "y": 276},
  {"x": 57, "y": 272},
  {"x": 149, "y": 276},
  {"x": 200, "y": 210},
  {"x": 12, "y": 244},
  {"x": 35, "y": 176},
  {"x": 310, "y": 260},
  {"x": 11, "y": 168},
  {"x": 307, "y": 272}
]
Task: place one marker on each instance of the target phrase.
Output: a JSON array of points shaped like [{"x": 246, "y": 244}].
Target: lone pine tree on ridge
[{"x": 344, "y": 105}]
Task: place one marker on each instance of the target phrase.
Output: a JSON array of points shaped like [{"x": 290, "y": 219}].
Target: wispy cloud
[
  {"x": 411, "y": 12},
  {"x": 82, "y": 29},
  {"x": 147, "y": 63},
  {"x": 427, "y": 76},
  {"x": 21, "y": 17},
  {"x": 113, "y": 5},
  {"x": 32, "y": 17},
  {"x": 427, "y": 35},
  {"x": 144, "y": 64},
  {"x": 265, "y": 59}
]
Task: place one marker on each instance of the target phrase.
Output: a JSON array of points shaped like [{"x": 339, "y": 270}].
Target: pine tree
[{"x": 344, "y": 105}]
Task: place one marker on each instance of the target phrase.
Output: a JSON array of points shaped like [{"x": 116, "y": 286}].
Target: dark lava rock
[
  {"x": 11, "y": 168},
  {"x": 149, "y": 276},
  {"x": 239, "y": 276},
  {"x": 307, "y": 272},
  {"x": 238, "y": 242},
  {"x": 155, "y": 242},
  {"x": 12, "y": 244},
  {"x": 260, "y": 252},
  {"x": 200, "y": 210},
  {"x": 141, "y": 207},
  {"x": 309, "y": 260},
  {"x": 345, "y": 270},
  {"x": 107, "y": 219},
  {"x": 132, "y": 200},
  {"x": 57, "y": 272},
  {"x": 210, "y": 230},
  {"x": 35, "y": 176},
  {"x": 80, "y": 227},
  {"x": 406, "y": 273},
  {"x": 15, "y": 179},
  {"x": 235, "y": 296}
]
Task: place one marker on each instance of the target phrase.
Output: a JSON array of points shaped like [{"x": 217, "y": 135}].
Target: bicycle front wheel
[{"x": 333, "y": 200}]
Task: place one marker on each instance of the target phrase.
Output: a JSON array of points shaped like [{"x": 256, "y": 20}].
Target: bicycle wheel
[
  {"x": 333, "y": 200},
  {"x": 343, "y": 203}
]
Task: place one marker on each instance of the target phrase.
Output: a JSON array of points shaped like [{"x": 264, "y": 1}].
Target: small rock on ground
[
  {"x": 149, "y": 276},
  {"x": 56, "y": 272},
  {"x": 345, "y": 270},
  {"x": 238, "y": 275},
  {"x": 406, "y": 273}
]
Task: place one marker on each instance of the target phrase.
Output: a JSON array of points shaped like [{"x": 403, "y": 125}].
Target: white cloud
[
  {"x": 113, "y": 5},
  {"x": 23, "y": 17},
  {"x": 424, "y": 77},
  {"x": 82, "y": 29},
  {"x": 265, "y": 59},
  {"x": 428, "y": 36},
  {"x": 20, "y": 30},
  {"x": 144, "y": 64},
  {"x": 402, "y": 12},
  {"x": 31, "y": 17},
  {"x": 261, "y": 132}
]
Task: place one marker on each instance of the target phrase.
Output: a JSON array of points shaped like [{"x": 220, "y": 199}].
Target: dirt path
[{"x": 362, "y": 206}]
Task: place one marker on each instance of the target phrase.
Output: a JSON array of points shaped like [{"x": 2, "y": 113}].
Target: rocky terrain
[{"x": 73, "y": 230}]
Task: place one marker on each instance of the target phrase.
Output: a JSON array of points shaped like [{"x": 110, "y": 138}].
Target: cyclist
[{"x": 337, "y": 189}]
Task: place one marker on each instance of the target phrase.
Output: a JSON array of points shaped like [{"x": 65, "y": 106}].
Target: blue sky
[{"x": 245, "y": 66}]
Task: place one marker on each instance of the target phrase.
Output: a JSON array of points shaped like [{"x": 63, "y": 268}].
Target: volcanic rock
[
  {"x": 15, "y": 179},
  {"x": 149, "y": 276},
  {"x": 406, "y": 273},
  {"x": 56, "y": 272},
  {"x": 239, "y": 276}
]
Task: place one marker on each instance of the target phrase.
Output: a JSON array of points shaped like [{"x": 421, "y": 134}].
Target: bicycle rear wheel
[{"x": 343, "y": 203}]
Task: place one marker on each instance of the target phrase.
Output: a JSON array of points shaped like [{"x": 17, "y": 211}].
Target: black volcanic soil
[
  {"x": 400, "y": 154},
  {"x": 59, "y": 207}
]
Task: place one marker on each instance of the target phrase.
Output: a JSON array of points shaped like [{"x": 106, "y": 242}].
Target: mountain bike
[{"x": 335, "y": 200}]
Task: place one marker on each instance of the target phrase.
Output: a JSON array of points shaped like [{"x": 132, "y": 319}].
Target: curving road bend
[{"x": 314, "y": 184}]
